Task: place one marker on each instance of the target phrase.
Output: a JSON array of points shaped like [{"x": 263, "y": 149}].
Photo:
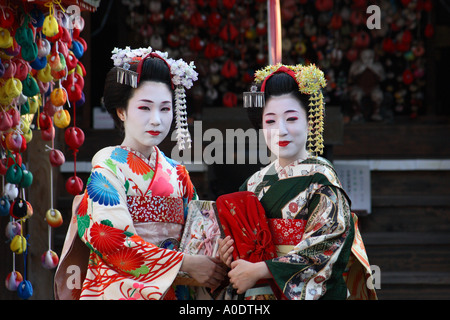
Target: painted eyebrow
[
  {"x": 150, "y": 101},
  {"x": 287, "y": 111}
]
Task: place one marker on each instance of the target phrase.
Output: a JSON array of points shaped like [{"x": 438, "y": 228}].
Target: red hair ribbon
[{"x": 281, "y": 69}]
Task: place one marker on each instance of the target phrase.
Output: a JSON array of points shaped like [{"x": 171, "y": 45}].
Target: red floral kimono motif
[{"x": 131, "y": 206}]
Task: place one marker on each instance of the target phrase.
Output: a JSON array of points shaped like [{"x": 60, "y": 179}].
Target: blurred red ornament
[
  {"x": 408, "y": 77},
  {"x": 229, "y": 99},
  {"x": 429, "y": 30}
]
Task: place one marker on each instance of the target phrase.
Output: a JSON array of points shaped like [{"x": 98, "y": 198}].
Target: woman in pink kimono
[{"x": 131, "y": 215}]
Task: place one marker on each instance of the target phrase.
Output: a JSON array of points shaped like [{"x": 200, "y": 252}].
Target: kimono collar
[
  {"x": 151, "y": 160},
  {"x": 286, "y": 172}
]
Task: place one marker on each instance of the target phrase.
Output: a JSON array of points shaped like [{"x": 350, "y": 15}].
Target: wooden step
[
  {"x": 411, "y": 252},
  {"x": 405, "y": 238},
  {"x": 413, "y": 277}
]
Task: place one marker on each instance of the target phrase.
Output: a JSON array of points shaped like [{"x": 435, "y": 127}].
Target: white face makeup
[
  {"x": 285, "y": 128},
  {"x": 148, "y": 117}
]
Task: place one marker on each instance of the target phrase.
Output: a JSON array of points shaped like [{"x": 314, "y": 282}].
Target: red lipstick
[
  {"x": 283, "y": 143},
  {"x": 154, "y": 133}
]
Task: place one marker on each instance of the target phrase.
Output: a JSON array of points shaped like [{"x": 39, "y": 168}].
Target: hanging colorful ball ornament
[
  {"x": 5, "y": 205},
  {"x": 11, "y": 191},
  {"x": 50, "y": 27},
  {"x": 53, "y": 218},
  {"x": 13, "y": 228},
  {"x": 74, "y": 185},
  {"x": 14, "y": 141},
  {"x": 74, "y": 137},
  {"x": 38, "y": 51},
  {"x": 25, "y": 290},
  {"x": 5, "y": 121},
  {"x": 61, "y": 118},
  {"x": 19, "y": 209},
  {"x": 27, "y": 178},
  {"x": 58, "y": 97},
  {"x": 56, "y": 157},
  {"x": 44, "y": 121},
  {"x": 49, "y": 109},
  {"x": 13, "y": 280},
  {"x": 48, "y": 134},
  {"x": 14, "y": 174},
  {"x": 18, "y": 244},
  {"x": 49, "y": 259},
  {"x": 7, "y": 18}
]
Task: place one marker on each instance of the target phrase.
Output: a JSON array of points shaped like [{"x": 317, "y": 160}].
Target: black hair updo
[
  {"x": 278, "y": 84},
  {"x": 117, "y": 95}
]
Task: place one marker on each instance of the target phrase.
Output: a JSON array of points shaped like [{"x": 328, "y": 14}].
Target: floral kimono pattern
[
  {"x": 312, "y": 226},
  {"x": 130, "y": 217}
]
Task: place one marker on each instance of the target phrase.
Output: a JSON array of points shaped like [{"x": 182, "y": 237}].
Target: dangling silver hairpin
[
  {"x": 127, "y": 76},
  {"x": 253, "y": 98}
]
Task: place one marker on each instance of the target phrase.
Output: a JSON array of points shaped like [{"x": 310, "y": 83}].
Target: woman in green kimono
[{"x": 319, "y": 251}]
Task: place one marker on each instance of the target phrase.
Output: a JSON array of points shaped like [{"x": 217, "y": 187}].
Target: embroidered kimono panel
[
  {"x": 130, "y": 217},
  {"x": 312, "y": 226}
]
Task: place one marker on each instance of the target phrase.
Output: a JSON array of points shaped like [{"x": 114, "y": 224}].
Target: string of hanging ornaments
[{"x": 41, "y": 79}]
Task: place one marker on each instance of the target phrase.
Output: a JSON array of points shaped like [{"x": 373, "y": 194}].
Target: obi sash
[
  {"x": 156, "y": 209},
  {"x": 286, "y": 231}
]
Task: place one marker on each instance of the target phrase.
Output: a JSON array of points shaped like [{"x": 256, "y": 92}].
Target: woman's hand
[
  {"x": 208, "y": 271},
  {"x": 226, "y": 250},
  {"x": 244, "y": 274}
]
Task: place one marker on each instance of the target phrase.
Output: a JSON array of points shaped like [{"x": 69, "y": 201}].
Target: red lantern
[
  {"x": 362, "y": 40},
  {"x": 196, "y": 44},
  {"x": 173, "y": 39},
  {"x": 429, "y": 30},
  {"x": 228, "y": 4},
  {"x": 228, "y": 32},
  {"x": 359, "y": 4},
  {"x": 336, "y": 21},
  {"x": 229, "y": 69},
  {"x": 408, "y": 77},
  {"x": 388, "y": 45},
  {"x": 405, "y": 2},
  {"x": 213, "y": 51},
  {"x": 197, "y": 20},
  {"x": 407, "y": 36},
  {"x": 324, "y": 5},
  {"x": 352, "y": 54},
  {"x": 214, "y": 20},
  {"x": 428, "y": 6}
]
